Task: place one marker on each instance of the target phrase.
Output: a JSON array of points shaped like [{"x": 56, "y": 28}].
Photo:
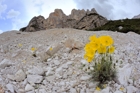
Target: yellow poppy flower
[
  {"x": 33, "y": 49},
  {"x": 111, "y": 49},
  {"x": 97, "y": 88},
  {"x": 89, "y": 55},
  {"x": 94, "y": 45},
  {"x": 51, "y": 49},
  {"x": 20, "y": 45},
  {"x": 93, "y": 38},
  {"x": 106, "y": 40},
  {"x": 102, "y": 49}
]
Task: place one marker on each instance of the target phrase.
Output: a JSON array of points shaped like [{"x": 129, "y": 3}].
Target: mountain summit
[{"x": 79, "y": 19}]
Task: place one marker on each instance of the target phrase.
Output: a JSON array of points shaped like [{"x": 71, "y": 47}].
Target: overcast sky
[{"x": 15, "y": 14}]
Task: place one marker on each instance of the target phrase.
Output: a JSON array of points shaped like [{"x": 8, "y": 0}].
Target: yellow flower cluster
[
  {"x": 102, "y": 44},
  {"x": 33, "y": 49}
]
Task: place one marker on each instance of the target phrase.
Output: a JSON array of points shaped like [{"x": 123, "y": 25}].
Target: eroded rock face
[
  {"x": 55, "y": 19},
  {"x": 90, "y": 21},
  {"x": 36, "y": 23},
  {"x": 79, "y": 19}
]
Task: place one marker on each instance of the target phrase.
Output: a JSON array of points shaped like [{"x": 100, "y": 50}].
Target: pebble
[
  {"x": 28, "y": 87},
  {"x": 36, "y": 70},
  {"x": 10, "y": 87},
  {"x": 5, "y": 63},
  {"x": 20, "y": 75},
  {"x": 34, "y": 78},
  {"x": 87, "y": 77}
]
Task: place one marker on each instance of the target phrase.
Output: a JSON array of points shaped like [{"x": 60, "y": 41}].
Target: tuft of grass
[{"x": 104, "y": 70}]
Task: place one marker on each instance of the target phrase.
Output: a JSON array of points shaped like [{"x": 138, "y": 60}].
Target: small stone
[
  {"x": 10, "y": 87},
  {"x": 28, "y": 87},
  {"x": 73, "y": 90},
  {"x": 130, "y": 81},
  {"x": 56, "y": 62},
  {"x": 34, "y": 78},
  {"x": 59, "y": 71},
  {"x": 20, "y": 75},
  {"x": 24, "y": 82},
  {"x": 131, "y": 89},
  {"x": 21, "y": 91},
  {"x": 42, "y": 91},
  {"x": 5, "y": 63},
  {"x": 124, "y": 74},
  {"x": 82, "y": 91},
  {"x": 49, "y": 71},
  {"x": 70, "y": 72},
  {"x": 84, "y": 62},
  {"x": 106, "y": 90},
  {"x": 12, "y": 77},
  {"x": 139, "y": 82},
  {"x": 87, "y": 77},
  {"x": 92, "y": 85},
  {"x": 118, "y": 91},
  {"x": 31, "y": 92},
  {"x": 37, "y": 70},
  {"x": 50, "y": 78},
  {"x": 62, "y": 83}
]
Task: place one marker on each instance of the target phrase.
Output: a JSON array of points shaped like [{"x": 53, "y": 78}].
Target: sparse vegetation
[
  {"x": 103, "y": 67},
  {"x": 127, "y": 24}
]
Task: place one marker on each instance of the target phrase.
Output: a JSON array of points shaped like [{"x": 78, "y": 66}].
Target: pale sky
[{"x": 15, "y": 14}]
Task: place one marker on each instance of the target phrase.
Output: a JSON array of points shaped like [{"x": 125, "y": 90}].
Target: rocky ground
[{"x": 50, "y": 61}]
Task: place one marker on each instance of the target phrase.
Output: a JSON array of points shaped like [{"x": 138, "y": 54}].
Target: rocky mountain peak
[
  {"x": 79, "y": 19},
  {"x": 136, "y": 17}
]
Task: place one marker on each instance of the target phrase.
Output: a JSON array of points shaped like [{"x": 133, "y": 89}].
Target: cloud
[
  {"x": 111, "y": 9},
  {"x": 3, "y": 7},
  {"x": 1, "y": 31},
  {"x": 45, "y": 7},
  {"x": 13, "y": 14},
  {"x": 17, "y": 23}
]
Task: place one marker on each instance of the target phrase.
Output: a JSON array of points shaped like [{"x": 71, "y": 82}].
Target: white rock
[
  {"x": 49, "y": 71},
  {"x": 84, "y": 61},
  {"x": 73, "y": 90},
  {"x": 82, "y": 91},
  {"x": 56, "y": 62},
  {"x": 12, "y": 77},
  {"x": 86, "y": 77},
  {"x": 5, "y": 63},
  {"x": 69, "y": 72},
  {"x": 50, "y": 78},
  {"x": 20, "y": 75},
  {"x": 66, "y": 65},
  {"x": 42, "y": 91},
  {"x": 131, "y": 89},
  {"x": 118, "y": 91},
  {"x": 96, "y": 91},
  {"x": 62, "y": 83},
  {"x": 31, "y": 92},
  {"x": 10, "y": 87},
  {"x": 124, "y": 74},
  {"x": 59, "y": 71},
  {"x": 106, "y": 90},
  {"x": 34, "y": 78},
  {"x": 36, "y": 70},
  {"x": 139, "y": 82},
  {"x": 92, "y": 85},
  {"x": 28, "y": 87},
  {"x": 25, "y": 82},
  {"x": 130, "y": 81}
]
